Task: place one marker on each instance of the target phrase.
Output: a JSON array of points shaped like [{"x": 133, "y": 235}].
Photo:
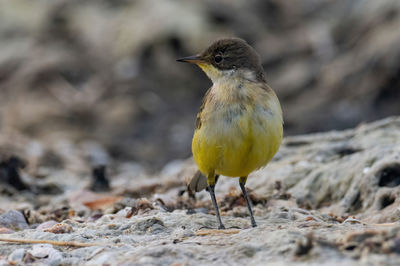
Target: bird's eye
[{"x": 218, "y": 59}]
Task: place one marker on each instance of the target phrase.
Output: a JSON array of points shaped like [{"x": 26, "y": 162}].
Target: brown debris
[
  {"x": 235, "y": 198},
  {"x": 359, "y": 244},
  {"x": 47, "y": 213},
  {"x": 281, "y": 191},
  {"x": 102, "y": 202},
  {"x": 142, "y": 205},
  {"x": 150, "y": 189},
  {"x": 340, "y": 218},
  {"x": 59, "y": 229},
  {"x": 360, "y": 236}
]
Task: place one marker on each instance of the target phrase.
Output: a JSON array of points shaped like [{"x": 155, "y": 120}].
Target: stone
[
  {"x": 46, "y": 225},
  {"x": 17, "y": 255},
  {"x": 46, "y": 254},
  {"x": 14, "y": 220}
]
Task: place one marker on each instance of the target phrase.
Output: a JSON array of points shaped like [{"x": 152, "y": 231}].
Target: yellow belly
[{"x": 236, "y": 146}]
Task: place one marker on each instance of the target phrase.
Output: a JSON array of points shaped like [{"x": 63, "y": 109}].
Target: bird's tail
[{"x": 198, "y": 182}]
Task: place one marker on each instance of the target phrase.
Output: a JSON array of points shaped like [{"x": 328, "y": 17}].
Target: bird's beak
[{"x": 194, "y": 59}]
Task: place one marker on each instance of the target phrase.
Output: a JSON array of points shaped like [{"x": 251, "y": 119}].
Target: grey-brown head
[{"x": 228, "y": 56}]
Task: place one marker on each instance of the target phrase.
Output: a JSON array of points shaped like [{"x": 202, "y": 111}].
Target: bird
[{"x": 239, "y": 127}]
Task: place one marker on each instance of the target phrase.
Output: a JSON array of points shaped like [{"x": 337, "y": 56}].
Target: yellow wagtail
[{"x": 239, "y": 126}]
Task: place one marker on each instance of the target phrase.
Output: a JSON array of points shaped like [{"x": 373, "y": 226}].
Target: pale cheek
[
  {"x": 218, "y": 76},
  {"x": 211, "y": 72}
]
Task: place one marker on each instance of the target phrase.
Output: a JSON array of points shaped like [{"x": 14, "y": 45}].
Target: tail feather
[{"x": 198, "y": 182}]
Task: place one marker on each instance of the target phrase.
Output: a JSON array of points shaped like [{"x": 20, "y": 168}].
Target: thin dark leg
[
  {"x": 216, "y": 180},
  {"x": 214, "y": 201},
  {"x": 242, "y": 182}
]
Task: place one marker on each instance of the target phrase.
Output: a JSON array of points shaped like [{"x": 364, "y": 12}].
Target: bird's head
[{"x": 231, "y": 57}]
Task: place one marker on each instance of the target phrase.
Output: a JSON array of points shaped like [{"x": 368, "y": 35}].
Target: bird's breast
[{"x": 237, "y": 136}]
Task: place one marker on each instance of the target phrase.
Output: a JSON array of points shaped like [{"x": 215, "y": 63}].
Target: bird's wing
[
  {"x": 199, "y": 181},
  {"x": 198, "y": 118}
]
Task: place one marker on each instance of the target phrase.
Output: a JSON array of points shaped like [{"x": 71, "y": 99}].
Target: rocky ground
[
  {"x": 325, "y": 199},
  {"x": 105, "y": 70}
]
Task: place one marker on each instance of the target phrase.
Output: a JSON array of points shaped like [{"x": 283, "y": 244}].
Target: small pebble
[
  {"x": 47, "y": 253},
  {"x": 309, "y": 218},
  {"x": 352, "y": 220},
  {"x": 46, "y": 225},
  {"x": 59, "y": 229},
  {"x": 17, "y": 255},
  {"x": 4, "y": 230},
  {"x": 124, "y": 212}
]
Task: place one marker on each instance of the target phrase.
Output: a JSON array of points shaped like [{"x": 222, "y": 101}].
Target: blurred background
[{"x": 104, "y": 71}]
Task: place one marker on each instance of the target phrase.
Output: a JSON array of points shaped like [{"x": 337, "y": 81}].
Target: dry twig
[{"x": 52, "y": 242}]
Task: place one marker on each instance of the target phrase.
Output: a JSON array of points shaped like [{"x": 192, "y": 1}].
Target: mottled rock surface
[
  {"x": 106, "y": 70},
  {"x": 329, "y": 198}
]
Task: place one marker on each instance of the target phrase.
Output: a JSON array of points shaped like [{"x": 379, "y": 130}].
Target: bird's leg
[
  {"x": 211, "y": 185},
  {"x": 216, "y": 181},
  {"x": 242, "y": 182}
]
